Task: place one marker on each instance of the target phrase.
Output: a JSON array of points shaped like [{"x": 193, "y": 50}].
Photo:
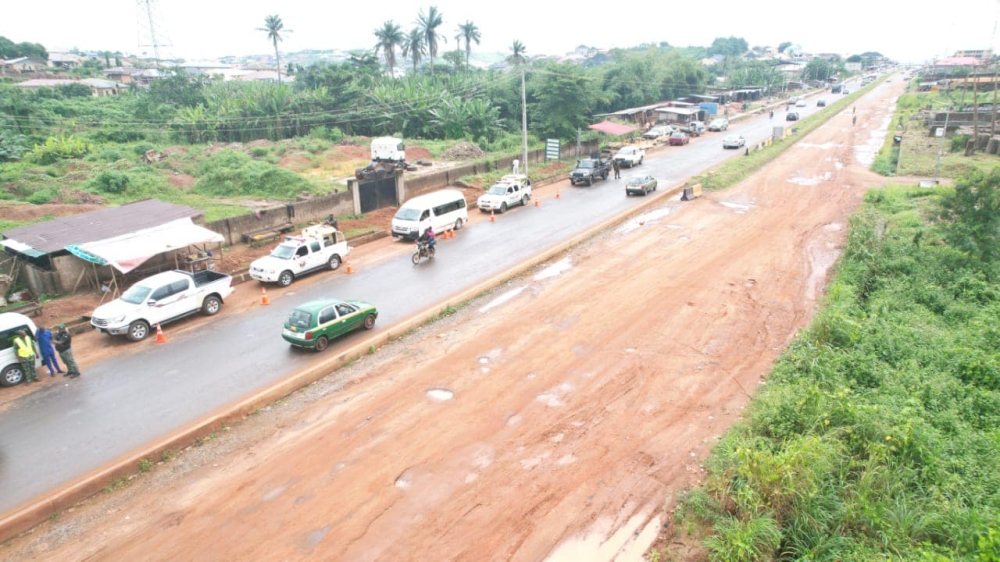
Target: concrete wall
[{"x": 233, "y": 228}]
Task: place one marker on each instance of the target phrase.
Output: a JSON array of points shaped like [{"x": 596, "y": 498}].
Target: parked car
[
  {"x": 11, "y": 372},
  {"x": 313, "y": 324},
  {"x": 792, "y": 116},
  {"x": 719, "y": 124},
  {"x": 640, "y": 186},
  {"x": 162, "y": 298},
  {"x": 800, "y": 103},
  {"x": 512, "y": 189},
  {"x": 629, "y": 156},
  {"x": 658, "y": 131},
  {"x": 734, "y": 141},
  {"x": 821, "y": 102},
  {"x": 678, "y": 138},
  {"x": 318, "y": 247}
]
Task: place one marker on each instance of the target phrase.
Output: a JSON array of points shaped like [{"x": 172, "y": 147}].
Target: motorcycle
[{"x": 424, "y": 250}]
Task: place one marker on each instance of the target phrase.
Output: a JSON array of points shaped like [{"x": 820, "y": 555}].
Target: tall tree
[
  {"x": 389, "y": 37},
  {"x": 274, "y": 27},
  {"x": 517, "y": 54},
  {"x": 428, "y": 24},
  {"x": 468, "y": 32},
  {"x": 413, "y": 47}
]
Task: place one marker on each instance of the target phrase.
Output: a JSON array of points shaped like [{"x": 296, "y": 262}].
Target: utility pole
[
  {"x": 993, "y": 121},
  {"x": 944, "y": 135},
  {"x": 524, "y": 122}
]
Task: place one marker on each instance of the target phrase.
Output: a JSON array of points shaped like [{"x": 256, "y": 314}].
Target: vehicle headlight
[{"x": 116, "y": 319}]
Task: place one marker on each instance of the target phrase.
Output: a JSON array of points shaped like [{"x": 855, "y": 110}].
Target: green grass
[{"x": 876, "y": 435}]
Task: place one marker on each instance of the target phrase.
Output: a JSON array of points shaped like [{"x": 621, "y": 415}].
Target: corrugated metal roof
[{"x": 54, "y": 235}]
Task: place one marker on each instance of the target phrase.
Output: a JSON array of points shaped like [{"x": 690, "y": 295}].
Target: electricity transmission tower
[{"x": 152, "y": 29}]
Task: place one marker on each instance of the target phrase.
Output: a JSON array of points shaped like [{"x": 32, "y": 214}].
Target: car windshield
[
  {"x": 626, "y": 151},
  {"x": 283, "y": 252},
  {"x": 136, "y": 294},
  {"x": 585, "y": 164},
  {"x": 498, "y": 189},
  {"x": 408, "y": 214},
  {"x": 677, "y": 134},
  {"x": 300, "y": 319}
]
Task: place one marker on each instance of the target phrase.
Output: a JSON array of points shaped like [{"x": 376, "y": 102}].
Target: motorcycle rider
[{"x": 429, "y": 238}]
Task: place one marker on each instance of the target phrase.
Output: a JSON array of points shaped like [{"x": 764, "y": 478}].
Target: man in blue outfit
[{"x": 48, "y": 352}]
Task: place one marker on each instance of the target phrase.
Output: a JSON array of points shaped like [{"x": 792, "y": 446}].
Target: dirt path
[{"x": 554, "y": 419}]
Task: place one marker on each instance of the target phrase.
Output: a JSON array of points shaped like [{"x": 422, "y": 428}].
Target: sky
[{"x": 201, "y": 30}]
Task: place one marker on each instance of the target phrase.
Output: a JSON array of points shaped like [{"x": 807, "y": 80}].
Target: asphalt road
[{"x": 61, "y": 432}]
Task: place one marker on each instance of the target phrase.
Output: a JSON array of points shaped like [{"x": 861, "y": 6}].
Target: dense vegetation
[{"x": 876, "y": 436}]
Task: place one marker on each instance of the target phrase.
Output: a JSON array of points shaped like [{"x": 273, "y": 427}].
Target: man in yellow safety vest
[{"x": 26, "y": 355}]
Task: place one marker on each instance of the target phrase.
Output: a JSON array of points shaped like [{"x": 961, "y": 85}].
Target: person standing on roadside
[
  {"x": 25, "y": 349},
  {"x": 63, "y": 340},
  {"x": 617, "y": 168},
  {"x": 48, "y": 352}
]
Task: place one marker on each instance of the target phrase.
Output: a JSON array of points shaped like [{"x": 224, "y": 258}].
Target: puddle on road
[
  {"x": 440, "y": 394},
  {"x": 740, "y": 208},
  {"x": 865, "y": 153},
  {"x": 502, "y": 299},
  {"x": 315, "y": 537},
  {"x": 815, "y": 180},
  {"x": 642, "y": 219},
  {"x": 555, "y": 269}
]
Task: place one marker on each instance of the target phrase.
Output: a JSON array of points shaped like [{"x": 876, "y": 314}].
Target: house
[
  {"x": 65, "y": 60},
  {"x": 22, "y": 65},
  {"x": 97, "y": 86},
  {"x": 50, "y": 252},
  {"x": 641, "y": 116},
  {"x": 120, "y": 74}
]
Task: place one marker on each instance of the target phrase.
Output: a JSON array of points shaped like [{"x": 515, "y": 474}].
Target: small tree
[
  {"x": 973, "y": 214},
  {"x": 274, "y": 27}
]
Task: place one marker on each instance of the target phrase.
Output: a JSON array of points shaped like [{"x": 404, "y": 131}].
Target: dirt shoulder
[{"x": 555, "y": 418}]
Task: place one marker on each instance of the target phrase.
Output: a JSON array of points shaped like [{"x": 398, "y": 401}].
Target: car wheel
[
  {"x": 590, "y": 182},
  {"x": 640, "y": 161},
  {"x": 334, "y": 262},
  {"x": 211, "y": 305},
  {"x": 604, "y": 175},
  {"x": 286, "y": 278},
  {"x": 137, "y": 331},
  {"x": 458, "y": 224},
  {"x": 503, "y": 208},
  {"x": 12, "y": 375},
  {"x": 524, "y": 201},
  {"x": 321, "y": 343},
  {"x": 369, "y": 322}
]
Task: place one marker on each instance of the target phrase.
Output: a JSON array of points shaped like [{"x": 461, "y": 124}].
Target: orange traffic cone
[
  {"x": 557, "y": 193},
  {"x": 160, "y": 338},
  {"x": 263, "y": 296},
  {"x": 349, "y": 270},
  {"x": 536, "y": 202},
  {"x": 492, "y": 218}
]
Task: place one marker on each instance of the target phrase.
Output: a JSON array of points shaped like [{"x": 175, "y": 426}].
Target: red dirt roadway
[{"x": 556, "y": 421}]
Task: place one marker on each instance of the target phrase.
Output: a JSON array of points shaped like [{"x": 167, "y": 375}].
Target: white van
[
  {"x": 11, "y": 372},
  {"x": 442, "y": 210}
]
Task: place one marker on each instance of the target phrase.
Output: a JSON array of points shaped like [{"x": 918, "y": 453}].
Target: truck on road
[
  {"x": 162, "y": 298},
  {"x": 512, "y": 189},
  {"x": 317, "y": 247},
  {"x": 588, "y": 170},
  {"x": 630, "y": 156}
]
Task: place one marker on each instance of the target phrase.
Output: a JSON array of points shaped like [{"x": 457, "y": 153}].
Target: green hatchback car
[{"x": 313, "y": 324}]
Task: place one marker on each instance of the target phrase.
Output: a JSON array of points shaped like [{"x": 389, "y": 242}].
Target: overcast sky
[{"x": 206, "y": 29}]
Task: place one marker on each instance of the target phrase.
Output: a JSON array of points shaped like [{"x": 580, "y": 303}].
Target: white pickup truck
[
  {"x": 318, "y": 247},
  {"x": 512, "y": 189},
  {"x": 629, "y": 156},
  {"x": 162, "y": 298}
]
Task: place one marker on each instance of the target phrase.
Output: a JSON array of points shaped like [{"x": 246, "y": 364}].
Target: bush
[
  {"x": 42, "y": 196},
  {"x": 958, "y": 142},
  {"x": 233, "y": 174},
  {"x": 142, "y": 148},
  {"x": 333, "y": 135},
  {"x": 259, "y": 152},
  {"x": 110, "y": 155},
  {"x": 112, "y": 181},
  {"x": 59, "y": 148}
]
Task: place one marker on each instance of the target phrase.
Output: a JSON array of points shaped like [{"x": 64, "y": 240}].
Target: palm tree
[
  {"x": 389, "y": 37},
  {"x": 429, "y": 24},
  {"x": 413, "y": 47},
  {"x": 517, "y": 57},
  {"x": 273, "y": 26},
  {"x": 468, "y": 32}
]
